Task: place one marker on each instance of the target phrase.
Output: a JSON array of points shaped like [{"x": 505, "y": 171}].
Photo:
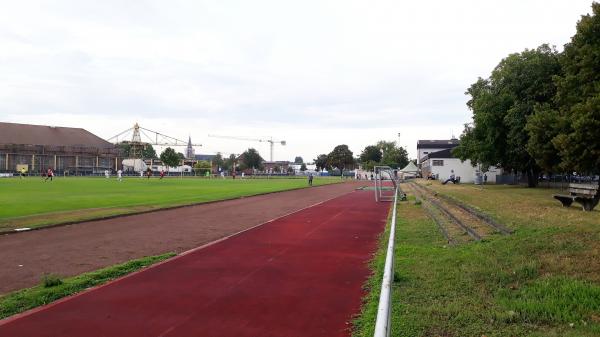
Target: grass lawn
[
  {"x": 53, "y": 288},
  {"x": 31, "y": 202},
  {"x": 543, "y": 280}
]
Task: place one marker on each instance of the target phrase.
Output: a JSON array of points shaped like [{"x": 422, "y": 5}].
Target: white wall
[
  {"x": 464, "y": 170},
  {"x": 423, "y": 151}
]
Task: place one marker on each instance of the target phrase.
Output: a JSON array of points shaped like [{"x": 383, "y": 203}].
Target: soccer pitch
[{"x": 31, "y": 202}]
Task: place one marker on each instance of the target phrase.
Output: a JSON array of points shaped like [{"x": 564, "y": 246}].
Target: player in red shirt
[{"x": 49, "y": 174}]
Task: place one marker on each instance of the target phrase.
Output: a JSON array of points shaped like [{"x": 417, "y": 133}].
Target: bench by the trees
[{"x": 585, "y": 194}]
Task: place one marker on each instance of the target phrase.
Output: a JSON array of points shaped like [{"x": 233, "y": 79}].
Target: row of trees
[
  {"x": 341, "y": 158},
  {"x": 382, "y": 153},
  {"x": 539, "y": 111},
  {"x": 249, "y": 159}
]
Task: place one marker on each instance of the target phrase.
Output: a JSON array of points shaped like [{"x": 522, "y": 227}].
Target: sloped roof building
[{"x": 64, "y": 149}]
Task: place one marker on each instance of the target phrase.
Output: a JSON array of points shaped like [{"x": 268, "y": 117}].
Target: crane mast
[{"x": 133, "y": 137}]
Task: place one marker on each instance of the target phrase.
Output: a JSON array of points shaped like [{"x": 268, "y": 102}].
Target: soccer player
[
  {"x": 49, "y": 174},
  {"x": 120, "y": 175}
]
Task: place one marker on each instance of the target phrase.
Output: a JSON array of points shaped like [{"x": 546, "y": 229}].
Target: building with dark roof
[
  {"x": 427, "y": 146},
  {"x": 207, "y": 157},
  {"x": 66, "y": 150}
]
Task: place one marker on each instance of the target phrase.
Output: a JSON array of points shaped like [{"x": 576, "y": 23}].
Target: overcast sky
[{"x": 314, "y": 73}]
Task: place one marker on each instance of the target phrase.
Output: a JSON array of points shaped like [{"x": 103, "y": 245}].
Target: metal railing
[{"x": 383, "y": 325}]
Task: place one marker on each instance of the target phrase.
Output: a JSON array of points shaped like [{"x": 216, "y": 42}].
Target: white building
[{"x": 441, "y": 164}]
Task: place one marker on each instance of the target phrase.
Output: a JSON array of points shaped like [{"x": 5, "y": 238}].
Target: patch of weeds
[{"x": 51, "y": 280}]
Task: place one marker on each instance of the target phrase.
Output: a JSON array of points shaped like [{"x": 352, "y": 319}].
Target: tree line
[
  {"x": 539, "y": 110},
  {"x": 340, "y": 158},
  {"x": 382, "y": 153}
]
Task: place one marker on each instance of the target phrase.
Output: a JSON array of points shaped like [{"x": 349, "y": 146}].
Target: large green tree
[
  {"x": 371, "y": 153},
  {"x": 543, "y": 126},
  {"x": 298, "y": 160},
  {"x": 169, "y": 157},
  {"x": 148, "y": 151},
  {"x": 502, "y": 105},
  {"x": 578, "y": 98},
  {"x": 321, "y": 162},
  {"x": 340, "y": 158},
  {"x": 251, "y": 159},
  {"x": 392, "y": 155}
]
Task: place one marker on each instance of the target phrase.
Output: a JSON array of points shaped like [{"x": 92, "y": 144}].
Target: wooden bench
[{"x": 585, "y": 194}]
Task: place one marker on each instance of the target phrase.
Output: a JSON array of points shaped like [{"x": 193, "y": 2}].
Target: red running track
[{"x": 300, "y": 275}]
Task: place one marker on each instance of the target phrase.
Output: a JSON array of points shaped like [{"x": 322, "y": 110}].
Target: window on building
[
  {"x": 438, "y": 163},
  {"x": 425, "y": 152}
]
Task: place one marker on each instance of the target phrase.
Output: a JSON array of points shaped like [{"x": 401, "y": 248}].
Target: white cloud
[{"x": 316, "y": 73}]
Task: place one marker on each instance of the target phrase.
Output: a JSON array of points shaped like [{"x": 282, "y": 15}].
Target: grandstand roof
[
  {"x": 447, "y": 153},
  {"x": 13, "y": 133}
]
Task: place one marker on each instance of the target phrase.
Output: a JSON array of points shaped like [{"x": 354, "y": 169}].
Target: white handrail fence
[{"x": 384, "y": 312}]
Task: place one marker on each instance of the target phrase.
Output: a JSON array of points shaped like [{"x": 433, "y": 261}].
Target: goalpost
[{"x": 384, "y": 191}]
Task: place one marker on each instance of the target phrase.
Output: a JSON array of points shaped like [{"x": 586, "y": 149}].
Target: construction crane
[
  {"x": 133, "y": 137},
  {"x": 270, "y": 141}
]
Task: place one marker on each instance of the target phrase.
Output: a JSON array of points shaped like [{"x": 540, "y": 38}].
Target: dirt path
[{"x": 74, "y": 249}]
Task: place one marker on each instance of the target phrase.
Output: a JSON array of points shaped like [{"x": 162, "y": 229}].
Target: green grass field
[
  {"x": 31, "y": 202},
  {"x": 543, "y": 280}
]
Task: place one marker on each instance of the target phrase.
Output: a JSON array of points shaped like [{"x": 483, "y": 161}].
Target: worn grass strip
[{"x": 22, "y": 300}]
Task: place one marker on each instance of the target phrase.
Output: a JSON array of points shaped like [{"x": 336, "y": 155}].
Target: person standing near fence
[
  {"x": 310, "y": 179},
  {"x": 119, "y": 175}
]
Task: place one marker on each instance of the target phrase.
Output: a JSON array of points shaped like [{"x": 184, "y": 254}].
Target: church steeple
[{"x": 189, "y": 152}]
